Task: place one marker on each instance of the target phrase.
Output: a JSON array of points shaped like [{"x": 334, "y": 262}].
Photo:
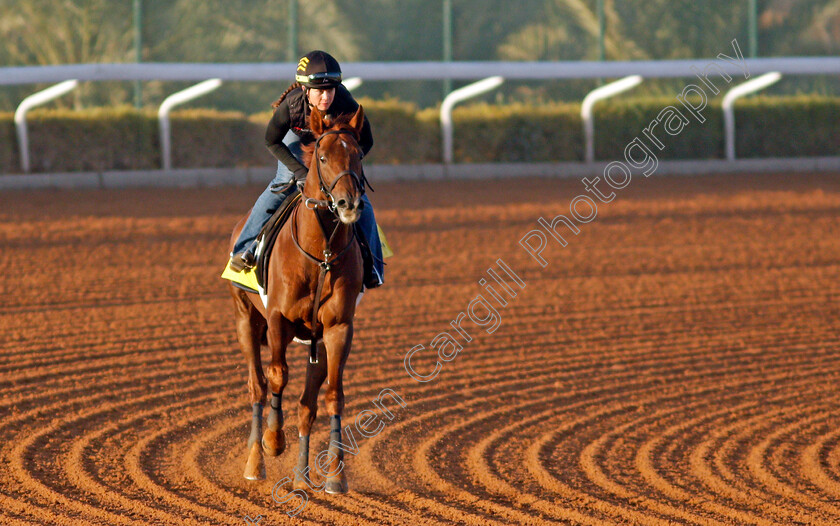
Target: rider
[{"x": 317, "y": 84}]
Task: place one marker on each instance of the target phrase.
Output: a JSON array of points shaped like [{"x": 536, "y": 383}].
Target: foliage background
[
  {"x": 83, "y": 31},
  {"x": 125, "y": 138}
]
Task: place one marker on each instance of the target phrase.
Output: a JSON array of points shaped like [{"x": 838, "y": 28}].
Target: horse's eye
[{"x": 323, "y": 159}]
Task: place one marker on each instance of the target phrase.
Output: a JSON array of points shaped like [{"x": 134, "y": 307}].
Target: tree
[
  {"x": 242, "y": 30},
  {"x": 65, "y": 31},
  {"x": 88, "y": 31},
  {"x": 568, "y": 30}
]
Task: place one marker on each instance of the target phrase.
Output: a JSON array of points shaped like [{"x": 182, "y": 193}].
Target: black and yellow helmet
[{"x": 318, "y": 69}]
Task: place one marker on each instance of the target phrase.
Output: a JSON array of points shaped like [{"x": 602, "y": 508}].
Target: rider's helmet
[{"x": 318, "y": 69}]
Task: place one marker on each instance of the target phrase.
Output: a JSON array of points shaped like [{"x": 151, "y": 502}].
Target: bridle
[
  {"x": 330, "y": 258},
  {"x": 329, "y": 204},
  {"x": 359, "y": 181}
]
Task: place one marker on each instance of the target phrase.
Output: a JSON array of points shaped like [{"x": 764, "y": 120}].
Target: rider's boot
[
  {"x": 244, "y": 260},
  {"x": 370, "y": 278}
]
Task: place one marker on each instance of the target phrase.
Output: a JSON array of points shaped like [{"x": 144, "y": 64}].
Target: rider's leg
[
  {"x": 367, "y": 228},
  {"x": 243, "y": 250}
]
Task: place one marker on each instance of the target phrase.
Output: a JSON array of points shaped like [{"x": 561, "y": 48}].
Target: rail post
[
  {"x": 750, "y": 86},
  {"x": 604, "y": 92},
  {"x": 36, "y": 99},
  {"x": 163, "y": 115},
  {"x": 461, "y": 94}
]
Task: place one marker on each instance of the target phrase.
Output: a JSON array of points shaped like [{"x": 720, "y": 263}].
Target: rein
[{"x": 330, "y": 259}]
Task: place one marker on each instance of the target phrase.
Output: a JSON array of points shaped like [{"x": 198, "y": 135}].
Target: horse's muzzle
[{"x": 349, "y": 211}]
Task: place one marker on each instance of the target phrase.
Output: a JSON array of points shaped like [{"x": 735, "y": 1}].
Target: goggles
[{"x": 317, "y": 78}]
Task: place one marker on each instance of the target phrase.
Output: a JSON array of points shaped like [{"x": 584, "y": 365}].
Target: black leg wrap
[
  {"x": 275, "y": 414},
  {"x": 313, "y": 350},
  {"x": 256, "y": 424},
  {"x": 335, "y": 435},
  {"x": 303, "y": 453}
]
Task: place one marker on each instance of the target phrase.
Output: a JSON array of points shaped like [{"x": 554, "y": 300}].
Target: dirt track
[{"x": 677, "y": 363}]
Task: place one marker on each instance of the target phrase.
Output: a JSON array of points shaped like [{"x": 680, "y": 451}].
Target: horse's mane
[{"x": 342, "y": 122}]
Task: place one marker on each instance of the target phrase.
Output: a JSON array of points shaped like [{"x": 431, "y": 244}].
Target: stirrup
[{"x": 242, "y": 261}]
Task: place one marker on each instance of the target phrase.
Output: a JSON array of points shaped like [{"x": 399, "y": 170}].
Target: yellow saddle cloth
[
  {"x": 247, "y": 279},
  {"x": 386, "y": 250}
]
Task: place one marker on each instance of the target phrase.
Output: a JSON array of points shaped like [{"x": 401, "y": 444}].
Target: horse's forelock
[{"x": 342, "y": 122}]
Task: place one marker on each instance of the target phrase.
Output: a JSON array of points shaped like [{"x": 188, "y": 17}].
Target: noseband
[{"x": 329, "y": 203}]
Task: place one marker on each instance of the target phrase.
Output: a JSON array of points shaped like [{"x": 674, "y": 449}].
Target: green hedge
[
  {"x": 517, "y": 133},
  {"x": 617, "y": 123},
  {"x": 127, "y": 139},
  {"x": 794, "y": 126},
  {"x": 206, "y": 138},
  {"x": 401, "y": 132},
  {"x": 787, "y": 126},
  {"x": 95, "y": 139},
  {"x": 9, "y": 161}
]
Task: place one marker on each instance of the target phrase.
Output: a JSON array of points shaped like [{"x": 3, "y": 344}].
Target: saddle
[
  {"x": 268, "y": 235},
  {"x": 255, "y": 280}
]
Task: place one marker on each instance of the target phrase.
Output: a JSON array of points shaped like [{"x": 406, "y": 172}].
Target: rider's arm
[{"x": 278, "y": 127}]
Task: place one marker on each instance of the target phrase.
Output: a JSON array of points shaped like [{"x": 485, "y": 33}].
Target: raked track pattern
[{"x": 677, "y": 363}]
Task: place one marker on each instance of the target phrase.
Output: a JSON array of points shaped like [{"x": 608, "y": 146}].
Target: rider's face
[{"x": 321, "y": 98}]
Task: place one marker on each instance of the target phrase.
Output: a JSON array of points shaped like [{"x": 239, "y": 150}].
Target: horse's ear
[
  {"x": 358, "y": 121},
  {"x": 316, "y": 122}
]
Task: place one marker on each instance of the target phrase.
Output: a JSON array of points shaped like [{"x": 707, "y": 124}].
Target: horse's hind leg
[
  {"x": 249, "y": 327},
  {"x": 316, "y": 373},
  {"x": 279, "y": 336},
  {"x": 338, "y": 339}
]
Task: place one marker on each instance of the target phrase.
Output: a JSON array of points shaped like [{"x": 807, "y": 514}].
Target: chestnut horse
[{"x": 316, "y": 259}]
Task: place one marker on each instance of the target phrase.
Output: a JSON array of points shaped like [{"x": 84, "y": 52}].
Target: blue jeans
[
  {"x": 268, "y": 202},
  {"x": 367, "y": 228}
]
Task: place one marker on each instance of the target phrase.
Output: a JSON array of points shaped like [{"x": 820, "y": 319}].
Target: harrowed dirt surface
[{"x": 677, "y": 363}]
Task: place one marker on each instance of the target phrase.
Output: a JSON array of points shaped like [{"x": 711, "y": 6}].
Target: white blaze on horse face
[{"x": 346, "y": 215}]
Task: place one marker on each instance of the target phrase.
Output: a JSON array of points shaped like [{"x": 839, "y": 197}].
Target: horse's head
[{"x": 335, "y": 164}]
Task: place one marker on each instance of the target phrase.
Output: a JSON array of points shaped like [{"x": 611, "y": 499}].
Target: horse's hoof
[
  {"x": 299, "y": 483},
  {"x": 273, "y": 442},
  {"x": 255, "y": 467},
  {"x": 337, "y": 485}
]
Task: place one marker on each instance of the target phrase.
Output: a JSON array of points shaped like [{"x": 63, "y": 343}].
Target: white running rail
[
  {"x": 277, "y": 71},
  {"x": 604, "y": 92},
  {"x": 163, "y": 115},
  {"x": 461, "y": 94},
  {"x": 751, "y": 86},
  {"x": 36, "y": 99}
]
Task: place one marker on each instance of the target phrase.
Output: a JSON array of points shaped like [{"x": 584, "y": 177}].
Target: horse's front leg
[
  {"x": 279, "y": 336},
  {"x": 337, "y": 339},
  {"x": 316, "y": 373}
]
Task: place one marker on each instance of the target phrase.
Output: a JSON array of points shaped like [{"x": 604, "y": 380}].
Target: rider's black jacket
[{"x": 293, "y": 114}]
